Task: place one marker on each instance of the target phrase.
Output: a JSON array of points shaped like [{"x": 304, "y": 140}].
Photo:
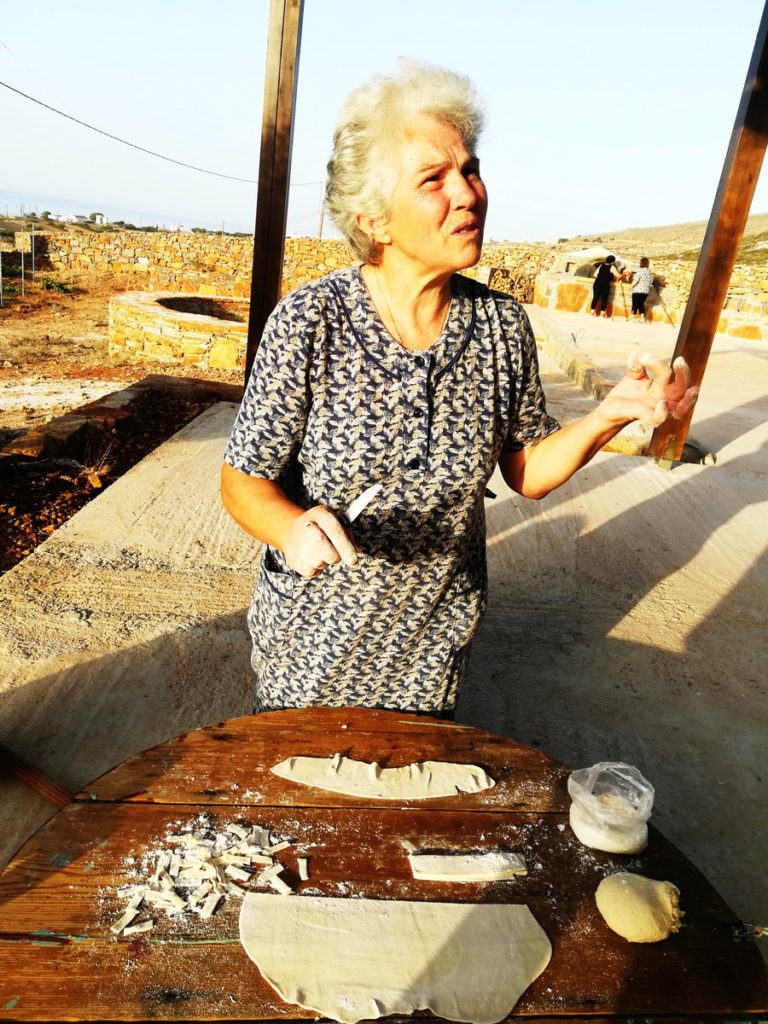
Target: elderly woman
[{"x": 402, "y": 373}]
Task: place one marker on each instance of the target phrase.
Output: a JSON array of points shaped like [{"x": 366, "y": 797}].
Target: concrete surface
[
  {"x": 626, "y": 615},
  {"x": 126, "y": 626},
  {"x": 627, "y": 611}
]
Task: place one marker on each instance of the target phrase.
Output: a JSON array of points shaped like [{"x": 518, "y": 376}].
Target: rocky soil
[{"x": 54, "y": 359}]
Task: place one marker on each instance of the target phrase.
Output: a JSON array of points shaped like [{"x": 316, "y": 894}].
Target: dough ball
[{"x": 637, "y": 908}]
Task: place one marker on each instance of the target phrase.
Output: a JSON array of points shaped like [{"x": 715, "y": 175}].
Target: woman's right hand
[
  {"x": 316, "y": 539},
  {"x": 310, "y": 541}
]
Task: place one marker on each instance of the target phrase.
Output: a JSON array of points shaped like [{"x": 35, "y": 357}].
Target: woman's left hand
[{"x": 651, "y": 391}]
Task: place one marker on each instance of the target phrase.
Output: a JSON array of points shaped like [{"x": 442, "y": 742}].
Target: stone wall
[
  {"x": 208, "y": 332},
  {"x": 306, "y": 259},
  {"x": 557, "y": 290},
  {"x": 219, "y": 265},
  {"x": 182, "y": 262},
  {"x": 745, "y": 312}
]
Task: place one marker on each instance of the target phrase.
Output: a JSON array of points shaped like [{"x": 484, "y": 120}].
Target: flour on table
[
  {"x": 421, "y": 780},
  {"x": 198, "y": 867},
  {"x": 352, "y": 960}
]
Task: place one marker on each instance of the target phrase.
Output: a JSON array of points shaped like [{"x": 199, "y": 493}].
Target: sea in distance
[{"x": 20, "y": 204}]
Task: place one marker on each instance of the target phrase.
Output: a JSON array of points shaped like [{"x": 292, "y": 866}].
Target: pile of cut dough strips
[{"x": 202, "y": 868}]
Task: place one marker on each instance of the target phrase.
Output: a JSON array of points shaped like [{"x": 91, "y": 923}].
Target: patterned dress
[{"x": 333, "y": 405}]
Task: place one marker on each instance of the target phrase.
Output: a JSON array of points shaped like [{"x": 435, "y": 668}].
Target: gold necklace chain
[{"x": 397, "y": 336}]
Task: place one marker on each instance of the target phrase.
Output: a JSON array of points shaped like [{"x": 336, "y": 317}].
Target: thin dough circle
[{"x": 352, "y": 960}]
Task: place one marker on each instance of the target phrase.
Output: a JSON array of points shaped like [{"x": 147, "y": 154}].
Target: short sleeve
[
  {"x": 271, "y": 421},
  {"x": 529, "y": 421}
]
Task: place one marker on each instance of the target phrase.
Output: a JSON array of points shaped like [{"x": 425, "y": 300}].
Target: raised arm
[{"x": 651, "y": 391}]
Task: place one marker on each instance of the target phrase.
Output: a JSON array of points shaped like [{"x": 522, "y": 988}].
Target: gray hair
[{"x": 361, "y": 175}]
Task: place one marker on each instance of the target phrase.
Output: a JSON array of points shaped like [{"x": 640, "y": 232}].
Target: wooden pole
[
  {"x": 274, "y": 166},
  {"x": 727, "y": 221},
  {"x": 43, "y": 786}
]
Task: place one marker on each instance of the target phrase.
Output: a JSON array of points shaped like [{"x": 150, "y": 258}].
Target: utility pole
[
  {"x": 322, "y": 212},
  {"x": 274, "y": 166},
  {"x": 727, "y": 221}
]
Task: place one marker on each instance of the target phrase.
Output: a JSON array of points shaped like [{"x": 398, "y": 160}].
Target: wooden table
[{"x": 59, "y": 960}]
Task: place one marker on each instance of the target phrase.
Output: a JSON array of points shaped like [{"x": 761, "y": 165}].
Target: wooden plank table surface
[{"x": 60, "y": 961}]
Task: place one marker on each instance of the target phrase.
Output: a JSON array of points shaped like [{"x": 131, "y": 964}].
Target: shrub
[{"x": 50, "y": 285}]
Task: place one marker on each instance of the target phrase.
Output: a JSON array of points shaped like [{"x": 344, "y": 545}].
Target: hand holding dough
[{"x": 638, "y": 908}]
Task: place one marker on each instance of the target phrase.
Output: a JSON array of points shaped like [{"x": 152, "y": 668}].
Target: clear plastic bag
[{"x": 612, "y": 802}]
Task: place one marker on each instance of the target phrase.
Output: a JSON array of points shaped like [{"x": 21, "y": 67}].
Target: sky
[{"x": 599, "y": 116}]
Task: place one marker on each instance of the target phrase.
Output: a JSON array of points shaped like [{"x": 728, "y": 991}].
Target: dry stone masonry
[
  {"x": 219, "y": 267},
  {"x": 172, "y": 328}
]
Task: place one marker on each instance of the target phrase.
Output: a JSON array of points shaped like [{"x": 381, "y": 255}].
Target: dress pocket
[
  {"x": 272, "y": 606},
  {"x": 467, "y": 599}
]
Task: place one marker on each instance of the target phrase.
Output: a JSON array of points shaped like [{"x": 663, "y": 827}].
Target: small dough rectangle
[
  {"x": 484, "y": 866},
  {"x": 137, "y": 929}
]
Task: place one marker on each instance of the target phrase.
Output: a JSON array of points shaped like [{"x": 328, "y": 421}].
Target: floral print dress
[{"x": 333, "y": 405}]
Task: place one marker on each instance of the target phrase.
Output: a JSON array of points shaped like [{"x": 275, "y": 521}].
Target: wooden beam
[
  {"x": 727, "y": 221},
  {"x": 274, "y": 165},
  {"x": 43, "y": 786}
]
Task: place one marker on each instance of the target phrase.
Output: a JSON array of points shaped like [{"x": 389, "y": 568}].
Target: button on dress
[{"x": 334, "y": 405}]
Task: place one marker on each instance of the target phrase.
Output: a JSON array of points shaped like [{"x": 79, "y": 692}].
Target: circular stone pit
[{"x": 209, "y": 331}]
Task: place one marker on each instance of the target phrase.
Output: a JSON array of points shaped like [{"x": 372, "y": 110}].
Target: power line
[
  {"x": 181, "y": 163},
  {"x": 217, "y": 174}
]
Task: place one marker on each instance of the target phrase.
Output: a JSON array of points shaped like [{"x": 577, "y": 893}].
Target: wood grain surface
[{"x": 60, "y": 961}]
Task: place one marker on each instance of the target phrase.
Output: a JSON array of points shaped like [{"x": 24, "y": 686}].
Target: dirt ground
[
  {"x": 54, "y": 358},
  {"x": 54, "y": 354}
]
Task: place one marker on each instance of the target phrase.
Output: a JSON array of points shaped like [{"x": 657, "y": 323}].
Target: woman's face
[{"x": 439, "y": 203}]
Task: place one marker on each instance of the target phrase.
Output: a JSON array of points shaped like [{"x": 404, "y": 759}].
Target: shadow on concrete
[
  {"x": 561, "y": 663},
  {"x": 120, "y": 704}
]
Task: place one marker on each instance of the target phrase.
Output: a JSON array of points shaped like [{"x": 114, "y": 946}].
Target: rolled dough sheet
[
  {"x": 485, "y": 866},
  {"x": 361, "y": 959},
  {"x": 422, "y": 780}
]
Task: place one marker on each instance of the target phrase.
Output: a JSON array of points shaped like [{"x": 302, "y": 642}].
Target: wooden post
[
  {"x": 43, "y": 786},
  {"x": 274, "y": 166},
  {"x": 721, "y": 242}
]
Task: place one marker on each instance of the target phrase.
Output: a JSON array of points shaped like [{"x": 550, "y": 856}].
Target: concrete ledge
[
  {"x": 69, "y": 435},
  {"x": 127, "y": 626},
  {"x": 561, "y": 347}
]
